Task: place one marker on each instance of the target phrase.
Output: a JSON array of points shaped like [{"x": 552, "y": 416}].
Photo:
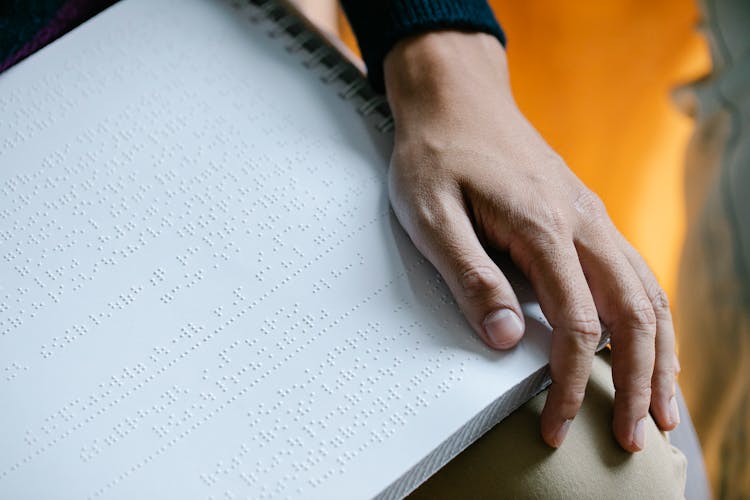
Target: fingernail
[
  {"x": 503, "y": 328},
  {"x": 562, "y": 432},
  {"x": 677, "y": 368},
  {"x": 639, "y": 434},
  {"x": 674, "y": 411}
]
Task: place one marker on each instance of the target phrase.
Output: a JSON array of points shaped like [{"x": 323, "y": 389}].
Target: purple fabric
[{"x": 68, "y": 16}]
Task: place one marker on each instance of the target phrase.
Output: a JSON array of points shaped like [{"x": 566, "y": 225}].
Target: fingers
[
  {"x": 666, "y": 366},
  {"x": 625, "y": 308},
  {"x": 577, "y": 265},
  {"x": 550, "y": 262},
  {"x": 443, "y": 232}
]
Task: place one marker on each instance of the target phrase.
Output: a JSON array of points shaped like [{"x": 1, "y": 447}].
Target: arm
[{"x": 468, "y": 169}]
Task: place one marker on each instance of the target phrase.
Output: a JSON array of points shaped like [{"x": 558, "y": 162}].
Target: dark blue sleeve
[{"x": 380, "y": 24}]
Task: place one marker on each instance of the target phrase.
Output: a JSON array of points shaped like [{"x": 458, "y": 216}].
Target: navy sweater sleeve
[{"x": 380, "y": 24}]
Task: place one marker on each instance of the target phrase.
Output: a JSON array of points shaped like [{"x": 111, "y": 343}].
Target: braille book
[{"x": 203, "y": 290}]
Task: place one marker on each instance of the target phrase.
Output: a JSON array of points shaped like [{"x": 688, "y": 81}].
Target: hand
[{"x": 468, "y": 169}]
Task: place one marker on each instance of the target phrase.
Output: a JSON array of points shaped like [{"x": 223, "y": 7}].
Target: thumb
[{"x": 447, "y": 238}]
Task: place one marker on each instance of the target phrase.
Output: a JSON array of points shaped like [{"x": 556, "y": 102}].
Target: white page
[{"x": 203, "y": 291}]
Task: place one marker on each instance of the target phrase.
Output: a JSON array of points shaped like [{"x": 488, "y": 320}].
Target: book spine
[{"x": 330, "y": 64}]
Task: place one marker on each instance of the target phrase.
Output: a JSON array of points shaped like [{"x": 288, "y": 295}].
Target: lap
[{"x": 512, "y": 461}]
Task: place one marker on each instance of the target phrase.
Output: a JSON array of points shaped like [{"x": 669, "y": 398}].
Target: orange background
[{"x": 595, "y": 78}]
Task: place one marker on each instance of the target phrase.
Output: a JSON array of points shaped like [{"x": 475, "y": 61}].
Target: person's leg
[{"x": 512, "y": 461}]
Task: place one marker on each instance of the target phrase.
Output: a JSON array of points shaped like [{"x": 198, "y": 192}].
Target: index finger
[{"x": 551, "y": 264}]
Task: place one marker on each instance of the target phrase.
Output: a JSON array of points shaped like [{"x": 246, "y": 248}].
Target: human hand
[{"x": 468, "y": 169}]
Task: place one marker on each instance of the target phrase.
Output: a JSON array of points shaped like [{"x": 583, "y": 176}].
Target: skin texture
[{"x": 469, "y": 171}]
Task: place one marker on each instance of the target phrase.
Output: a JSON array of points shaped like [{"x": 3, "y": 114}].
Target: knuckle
[
  {"x": 589, "y": 205},
  {"x": 659, "y": 300},
  {"x": 663, "y": 383},
  {"x": 585, "y": 324},
  {"x": 632, "y": 384},
  {"x": 478, "y": 280},
  {"x": 553, "y": 220},
  {"x": 556, "y": 222},
  {"x": 585, "y": 337},
  {"x": 640, "y": 317},
  {"x": 430, "y": 211},
  {"x": 425, "y": 213},
  {"x": 639, "y": 391},
  {"x": 573, "y": 398},
  {"x": 664, "y": 374},
  {"x": 542, "y": 224}
]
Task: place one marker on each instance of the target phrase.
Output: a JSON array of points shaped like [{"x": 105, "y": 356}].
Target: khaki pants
[{"x": 512, "y": 461}]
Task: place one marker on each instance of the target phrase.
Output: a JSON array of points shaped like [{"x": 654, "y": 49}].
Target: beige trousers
[{"x": 512, "y": 461}]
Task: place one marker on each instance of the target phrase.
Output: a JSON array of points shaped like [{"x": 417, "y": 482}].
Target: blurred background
[{"x": 601, "y": 82}]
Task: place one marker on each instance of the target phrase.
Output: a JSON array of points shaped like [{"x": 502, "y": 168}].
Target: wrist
[{"x": 432, "y": 68}]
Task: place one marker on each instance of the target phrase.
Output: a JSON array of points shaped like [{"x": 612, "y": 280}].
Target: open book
[{"x": 203, "y": 291}]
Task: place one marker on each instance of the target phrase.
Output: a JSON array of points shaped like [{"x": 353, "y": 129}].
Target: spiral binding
[{"x": 333, "y": 67}]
